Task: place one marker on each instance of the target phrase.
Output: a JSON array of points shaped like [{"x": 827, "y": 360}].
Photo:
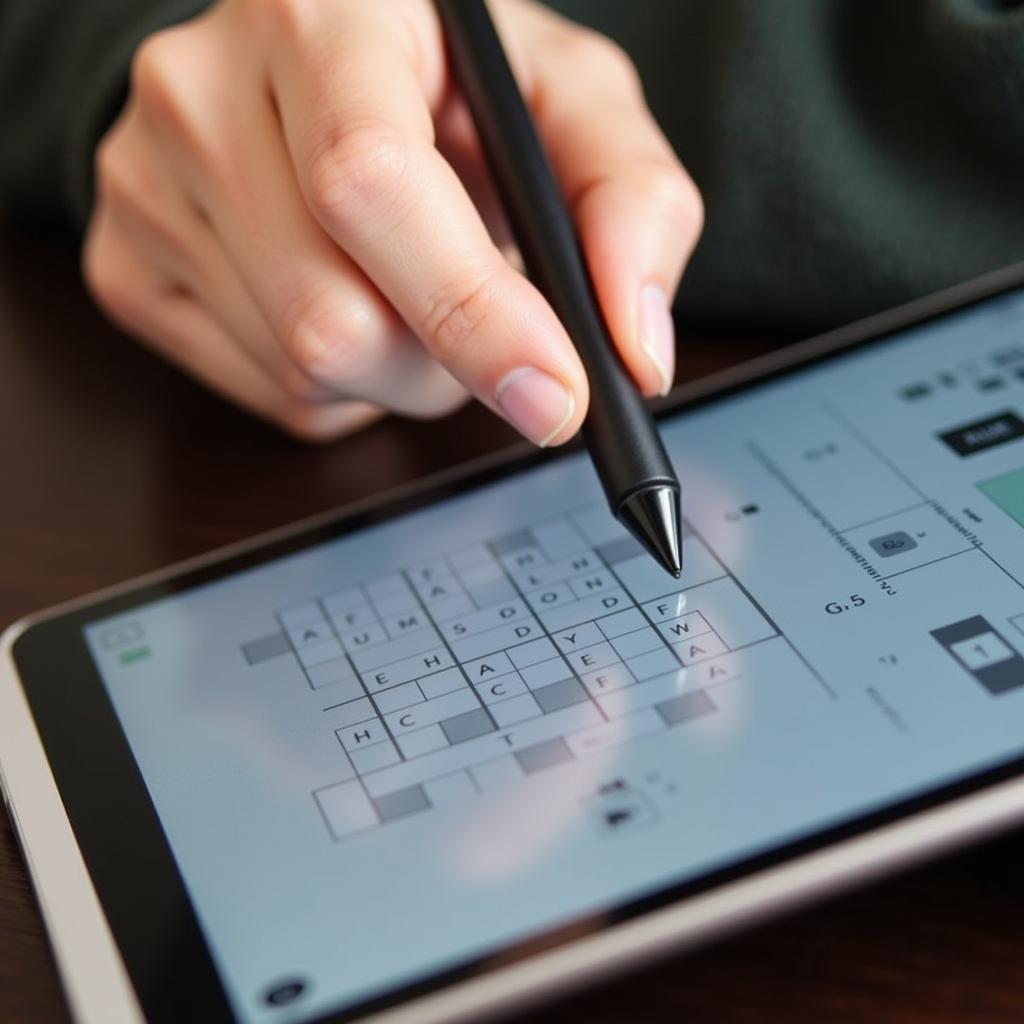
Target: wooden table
[{"x": 114, "y": 464}]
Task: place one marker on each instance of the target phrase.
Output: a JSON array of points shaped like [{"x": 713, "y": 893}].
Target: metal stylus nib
[{"x": 653, "y": 517}]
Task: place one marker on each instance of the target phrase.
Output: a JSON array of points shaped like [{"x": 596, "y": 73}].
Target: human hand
[{"x": 293, "y": 207}]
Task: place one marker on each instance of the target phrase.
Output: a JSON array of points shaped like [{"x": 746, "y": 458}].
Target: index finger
[{"x": 354, "y": 101}]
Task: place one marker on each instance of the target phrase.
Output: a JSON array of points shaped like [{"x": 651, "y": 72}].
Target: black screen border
[{"x": 115, "y": 823}]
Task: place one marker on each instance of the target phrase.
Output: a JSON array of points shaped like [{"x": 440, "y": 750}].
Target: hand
[{"x": 293, "y": 207}]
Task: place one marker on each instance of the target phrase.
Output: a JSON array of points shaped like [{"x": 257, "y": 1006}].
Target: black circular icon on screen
[{"x": 285, "y": 992}]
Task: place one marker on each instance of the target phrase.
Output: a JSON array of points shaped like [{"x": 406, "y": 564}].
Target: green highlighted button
[
  {"x": 134, "y": 655},
  {"x": 1007, "y": 491}
]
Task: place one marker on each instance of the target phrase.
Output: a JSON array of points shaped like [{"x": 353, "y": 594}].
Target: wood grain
[{"x": 114, "y": 464}]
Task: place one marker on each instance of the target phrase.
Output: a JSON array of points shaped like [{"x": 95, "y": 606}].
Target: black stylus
[{"x": 623, "y": 441}]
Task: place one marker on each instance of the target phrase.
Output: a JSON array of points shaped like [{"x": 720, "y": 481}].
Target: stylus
[{"x": 620, "y": 433}]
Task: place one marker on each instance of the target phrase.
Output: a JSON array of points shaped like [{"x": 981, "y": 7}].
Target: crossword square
[
  {"x": 591, "y": 658},
  {"x": 545, "y": 673},
  {"x": 441, "y": 683},
  {"x": 353, "y": 618},
  {"x": 309, "y": 633},
  {"x": 518, "y": 709},
  {"x": 467, "y": 726},
  {"x": 592, "y": 583},
  {"x": 577, "y": 637},
  {"x": 638, "y": 642},
  {"x": 371, "y": 635},
  {"x": 380, "y": 755},
  {"x": 685, "y": 706},
  {"x": 621, "y": 622},
  {"x": 560, "y": 695},
  {"x": 486, "y": 594},
  {"x": 265, "y": 648},
  {"x": 449, "y": 789},
  {"x": 337, "y": 687},
  {"x": 669, "y": 607},
  {"x": 531, "y": 653},
  {"x": 653, "y": 663},
  {"x": 614, "y": 677},
  {"x": 398, "y": 697},
  {"x": 683, "y": 627},
  {"x": 315, "y": 654},
  {"x": 550, "y": 596},
  {"x": 491, "y": 667},
  {"x": 543, "y": 755},
  {"x": 422, "y": 741},
  {"x": 619, "y": 550},
  {"x": 346, "y": 808},
  {"x": 558, "y": 539},
  {"x": 451, "y": 607},
  {"x": 403, "y": 802},
  {"x": 394, "y": 604},
  {"x": 469, "y": 557},
  {"x": 428, "y": 572},
  {"x": 513, "y": 542},
  {"x": 501, "y": 689},
  {"x": 365, "y": 734},
  {"x": 699, "y": 648}
]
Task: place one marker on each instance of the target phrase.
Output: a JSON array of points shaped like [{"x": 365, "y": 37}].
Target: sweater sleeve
[
  {"x": 851, "y": 155},
  {"x": 63, "y": 78}
]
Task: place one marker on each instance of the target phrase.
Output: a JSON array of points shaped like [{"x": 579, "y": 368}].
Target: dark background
[{"x": 114, "y": 464}]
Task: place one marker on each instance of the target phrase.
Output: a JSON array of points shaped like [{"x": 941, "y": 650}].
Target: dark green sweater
[{"x": 851, "y": 154}]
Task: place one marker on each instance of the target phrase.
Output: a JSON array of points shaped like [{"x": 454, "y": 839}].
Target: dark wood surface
[{"x": 113, "y": 464}]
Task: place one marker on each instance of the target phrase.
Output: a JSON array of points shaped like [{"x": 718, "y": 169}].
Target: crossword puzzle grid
[{"x": 505, "y": 659}]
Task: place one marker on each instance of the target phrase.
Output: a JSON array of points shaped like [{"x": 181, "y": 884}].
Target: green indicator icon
[{"x": 134, "y": 655}]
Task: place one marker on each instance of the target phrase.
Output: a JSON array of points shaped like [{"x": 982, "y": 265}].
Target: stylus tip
[{"x": 652, "y": 516}]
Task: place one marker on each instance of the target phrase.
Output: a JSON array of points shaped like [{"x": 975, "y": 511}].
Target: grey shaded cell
[
  {"x": 543, "y": 755},
  {"x": 401, "y": 802},
  {"x": 493, "y": 592},
  {"x": 687, "y": 705},
  {"x": 513, "y": 542},
  {"x": 619, "y": 550},
  {"x": 560, "y": 695},
  {"x": 467, "y": 726},
  {"x": 265, "y": 648},
  {"x": 894, "y": 543}
]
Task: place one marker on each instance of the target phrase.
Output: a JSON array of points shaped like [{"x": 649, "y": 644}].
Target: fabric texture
[{"x": 851, "y": 155}]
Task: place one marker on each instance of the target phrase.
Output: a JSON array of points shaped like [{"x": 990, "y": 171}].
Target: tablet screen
[{"x": 427, "y": 742}]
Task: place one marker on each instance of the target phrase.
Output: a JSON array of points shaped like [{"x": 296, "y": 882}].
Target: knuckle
[
  {"x": 357, "y": 171},
  {"x": 154, "y": 69},
  {"x": 676, "y": 197},
  {"x": 606, "y": 57},
  {"x": 346, "y": 331},
  {"x": 101, "y": 275},
  {"x": 455, "y": 315},
  {"x": 280, "y": 16}
]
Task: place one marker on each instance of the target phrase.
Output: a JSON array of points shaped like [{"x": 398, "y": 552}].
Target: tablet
[{"x": 468, "y": 745}]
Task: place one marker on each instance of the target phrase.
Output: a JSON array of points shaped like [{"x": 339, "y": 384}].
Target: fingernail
[
  {"x": 658, "y": 334},
  {"x": 536, "y": 404}
]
